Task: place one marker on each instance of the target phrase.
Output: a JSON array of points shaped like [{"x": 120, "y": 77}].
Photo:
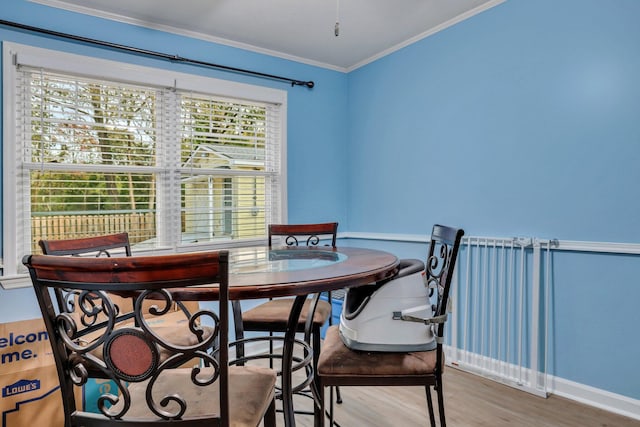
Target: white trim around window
[{"x": 16, "y": 231}]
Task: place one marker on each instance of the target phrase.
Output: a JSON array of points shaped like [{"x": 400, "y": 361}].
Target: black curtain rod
[{"x": 173, "y": 58}]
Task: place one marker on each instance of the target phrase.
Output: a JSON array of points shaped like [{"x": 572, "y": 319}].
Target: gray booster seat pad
[{"x": 392, "y": 315}]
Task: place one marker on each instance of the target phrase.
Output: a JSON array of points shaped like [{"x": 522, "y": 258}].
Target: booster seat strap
[{"x": 397, "y": 315}]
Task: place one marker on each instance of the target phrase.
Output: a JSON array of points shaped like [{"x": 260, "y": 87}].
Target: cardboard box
[{"x": 30, "y": 392}]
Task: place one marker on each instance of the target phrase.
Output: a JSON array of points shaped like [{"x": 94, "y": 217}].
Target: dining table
[{"x": 261, "y": 272}]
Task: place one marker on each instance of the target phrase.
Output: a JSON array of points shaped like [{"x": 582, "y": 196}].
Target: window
[{"x": 176, "y": 160}]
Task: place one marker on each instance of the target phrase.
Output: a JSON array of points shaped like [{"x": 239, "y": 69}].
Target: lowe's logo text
[{"x": 22, "y": 386}]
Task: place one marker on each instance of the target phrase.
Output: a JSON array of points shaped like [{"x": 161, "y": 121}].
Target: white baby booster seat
[{"x": 395, "y": 315}]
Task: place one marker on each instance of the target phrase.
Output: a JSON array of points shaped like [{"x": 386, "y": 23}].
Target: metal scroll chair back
[
  {"x": 439, "y": 267},
  {"x": 150, "y": 389},
  {"x": 272, "y": 316},
  {"x": 341, "y": 366},
  {"x": 304, "y": 234},
  {"x": 97, "y": 246},
  {"x": 308, "y": 235},
  {"x": 257, "y": 318}
]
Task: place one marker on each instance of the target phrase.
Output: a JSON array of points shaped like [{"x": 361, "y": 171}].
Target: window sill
[{"x": 15, "y": 282}]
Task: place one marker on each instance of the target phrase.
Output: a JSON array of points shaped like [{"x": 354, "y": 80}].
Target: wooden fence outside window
[{"x": 140, "y": 226}]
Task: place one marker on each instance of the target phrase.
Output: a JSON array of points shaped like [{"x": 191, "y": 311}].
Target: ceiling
[{"x": 301, "y": 30}]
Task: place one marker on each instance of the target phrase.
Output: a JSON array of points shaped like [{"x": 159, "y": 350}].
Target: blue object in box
[
  {"x": 337, "y": 298},
  {"x": 93, "y": 389}
]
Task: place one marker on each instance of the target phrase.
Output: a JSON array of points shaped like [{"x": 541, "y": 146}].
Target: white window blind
[
  {"x": 170, "y": 166},
  {"x": 227, "y": 179},
  {"x": 88, "y": 155}
]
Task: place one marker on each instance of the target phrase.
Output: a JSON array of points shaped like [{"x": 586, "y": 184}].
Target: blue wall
[{"x": 523, "y": 120}]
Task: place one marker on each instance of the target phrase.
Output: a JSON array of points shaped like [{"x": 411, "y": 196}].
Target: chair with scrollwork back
[
  {"x": 340, "y": 366},
  {"x": 106, "y": 246},
  {"x": 189, "y": 386},
  {"x": 272, "y": 316},
  {"x": 97, "y": 246}
]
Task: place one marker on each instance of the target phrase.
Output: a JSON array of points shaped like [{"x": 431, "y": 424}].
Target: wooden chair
[
  {"x": 272, "y": 316},
  {"x": 178, "y": 390},
  {"x": 87, "y": 246},
  {"x": 107, "y": 246},
  {"x": 98, "y": 245},
  {"x": 340, "y": 366}
]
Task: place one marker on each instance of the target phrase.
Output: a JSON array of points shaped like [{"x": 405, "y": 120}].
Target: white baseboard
[
  {"x": 595, "y": 397},
  {"x": 505, "y": 374}
]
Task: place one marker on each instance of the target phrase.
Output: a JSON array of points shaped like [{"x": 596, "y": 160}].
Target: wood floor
[{"x": 470, "y": 401}]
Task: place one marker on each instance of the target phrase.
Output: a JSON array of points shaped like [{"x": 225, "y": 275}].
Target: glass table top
[{"x": 265, "y": 260}]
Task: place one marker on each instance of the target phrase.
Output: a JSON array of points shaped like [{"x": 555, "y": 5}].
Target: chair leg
[
  {"x": 270, "y": 415},
  {"x": 338, "y": 395},
  {"x": 239, "y": 329},
  {"x": 315, "y": 347},
  {"x": 440, "y": 391},
  {"x": 432, "y": 417},
  {"x": 316, "y": 355},
  {"x": 270, "y": 350},
  {"x": 318, "y": 407},
  {"x": 331, "y": 421}
]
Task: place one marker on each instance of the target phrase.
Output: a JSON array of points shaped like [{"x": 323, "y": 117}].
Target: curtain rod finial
[{"x": 310, "y": 84}]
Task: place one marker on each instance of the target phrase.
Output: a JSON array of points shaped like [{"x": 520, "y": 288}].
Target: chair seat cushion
[
  {"x": 336, "y": 359},
  {"x": 273, "y": 315},
  {"x": 179, "y": 336},
  {"x": 251, "y": 391}
]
